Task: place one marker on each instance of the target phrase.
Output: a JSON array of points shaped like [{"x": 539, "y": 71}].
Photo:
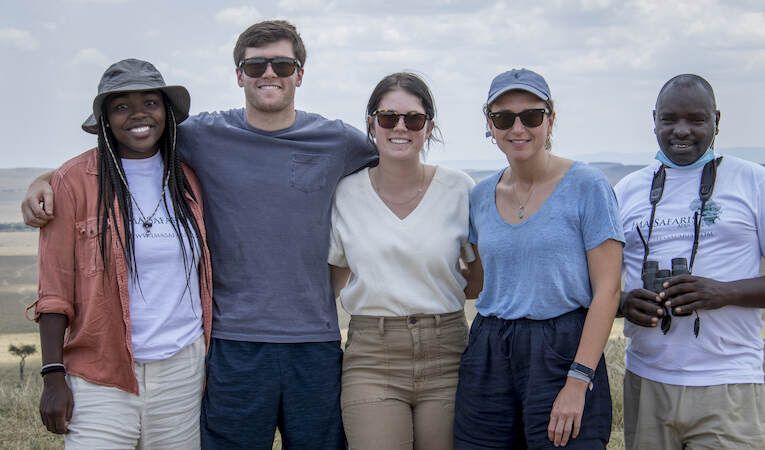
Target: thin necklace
[
  {"x": 521, "y": 209},
  {"x": 416, "y": 194},
  {"x": 145, "y": 221}
]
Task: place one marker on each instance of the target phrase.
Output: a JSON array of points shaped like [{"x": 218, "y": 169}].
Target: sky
[{"x": 605, "y": 61}]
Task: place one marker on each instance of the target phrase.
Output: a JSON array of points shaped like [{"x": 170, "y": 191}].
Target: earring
[{"x": 493, "y": 141}]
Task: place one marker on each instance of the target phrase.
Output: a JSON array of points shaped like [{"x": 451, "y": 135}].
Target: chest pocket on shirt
[
  {"x": 88, "y": 252},
  {"x": 308, "y": 172}
]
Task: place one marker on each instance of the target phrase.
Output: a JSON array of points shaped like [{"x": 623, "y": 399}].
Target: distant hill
[
  {"x": 14, "y": 182},
  {"x": 613, "y": 171}
]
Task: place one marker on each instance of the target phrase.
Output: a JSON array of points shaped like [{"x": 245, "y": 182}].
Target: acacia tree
[{"x": 22, "y": 352}]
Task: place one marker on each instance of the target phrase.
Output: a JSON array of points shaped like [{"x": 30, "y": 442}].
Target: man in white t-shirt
[{"x": 694, "y": 358}]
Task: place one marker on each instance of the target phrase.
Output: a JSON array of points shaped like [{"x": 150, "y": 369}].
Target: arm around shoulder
[
  {"x": 360, "y": 151},
  {"x": 37, "y": 206}
]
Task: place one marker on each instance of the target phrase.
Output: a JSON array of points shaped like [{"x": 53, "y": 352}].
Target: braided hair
[{"x": 112, "y": 190}]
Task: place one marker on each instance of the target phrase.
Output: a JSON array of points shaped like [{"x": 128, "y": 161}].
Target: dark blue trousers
[
  {"x": 254, "y": 387},
  {"x": 510, "y": 374}
]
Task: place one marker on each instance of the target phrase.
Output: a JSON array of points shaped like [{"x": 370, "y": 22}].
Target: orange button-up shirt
[{"x": 72, "y": 280}]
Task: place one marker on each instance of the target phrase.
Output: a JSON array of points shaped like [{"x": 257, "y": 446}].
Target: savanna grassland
[{"x": 20, "y": 426}]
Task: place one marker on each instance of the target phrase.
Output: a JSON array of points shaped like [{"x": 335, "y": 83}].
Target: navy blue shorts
[
  {"x": 254, "y": 387},
  {"x": 510, "y": 374}
]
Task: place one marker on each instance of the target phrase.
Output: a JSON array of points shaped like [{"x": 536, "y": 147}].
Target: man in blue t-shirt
[{"x": 269, "y": 173}]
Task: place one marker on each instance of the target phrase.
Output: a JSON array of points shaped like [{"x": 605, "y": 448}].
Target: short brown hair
[{"x": 267, "y": 32}]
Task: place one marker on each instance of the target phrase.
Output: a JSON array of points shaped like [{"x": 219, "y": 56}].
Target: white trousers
[{"x": 165, "y": 414}]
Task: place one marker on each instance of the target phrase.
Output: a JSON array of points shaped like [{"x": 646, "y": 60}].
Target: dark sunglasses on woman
[
  {"x": 530, "y": 118},
  {"x": 413, "y": 121},
  {"x": 256, "y": 67}
]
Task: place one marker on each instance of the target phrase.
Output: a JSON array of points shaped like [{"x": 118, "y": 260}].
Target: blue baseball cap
[{"x": 522, "y": 79}]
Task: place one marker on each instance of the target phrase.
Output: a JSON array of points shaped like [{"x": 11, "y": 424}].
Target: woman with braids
[
  {"x": 400, "y": 230},
  {"x": 124, "y": 276}
]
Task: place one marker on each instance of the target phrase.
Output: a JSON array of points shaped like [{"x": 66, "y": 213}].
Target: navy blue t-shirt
[{"x": 268, "y": 197}]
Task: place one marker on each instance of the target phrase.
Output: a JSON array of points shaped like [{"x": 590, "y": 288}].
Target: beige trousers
[
  {"x": 399, "y": 380},
  {"x": 668, "y": 417},
  {"x": 164, "y": 416}
]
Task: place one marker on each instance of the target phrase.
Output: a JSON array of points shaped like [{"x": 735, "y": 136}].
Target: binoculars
[{"x": 654, "y": 278}]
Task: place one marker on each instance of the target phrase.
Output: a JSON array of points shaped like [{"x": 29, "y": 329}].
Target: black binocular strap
[{"x": 706, "y": 188}]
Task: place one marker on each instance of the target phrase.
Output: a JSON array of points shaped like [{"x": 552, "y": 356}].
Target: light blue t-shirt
[
  {"x": 537, "y": 269},
  {"x": 267, "y": 205}
]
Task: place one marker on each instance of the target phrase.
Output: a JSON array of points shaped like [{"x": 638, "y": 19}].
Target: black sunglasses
[
  {"x": 282, "y": 66},
  {"x": 413, "y": 121},
  {"x": 530, "y": 118}
]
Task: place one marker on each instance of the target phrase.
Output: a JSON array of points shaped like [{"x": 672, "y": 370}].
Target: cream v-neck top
[{"x": 404, "y": 266}]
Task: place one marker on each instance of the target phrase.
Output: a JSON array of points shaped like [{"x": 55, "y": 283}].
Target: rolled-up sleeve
[{"x": 56, "y": 255}]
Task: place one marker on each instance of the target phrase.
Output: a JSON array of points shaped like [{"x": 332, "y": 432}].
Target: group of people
[{"x": 176, "y": 312}]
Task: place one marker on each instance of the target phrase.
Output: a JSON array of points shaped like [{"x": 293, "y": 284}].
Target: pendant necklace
[
  {"x": 521, "y": 209},
  {"x": 145, "y": 221}
]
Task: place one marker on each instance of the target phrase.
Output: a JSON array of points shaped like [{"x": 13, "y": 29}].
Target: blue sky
[{"x": 604, "y": 60}]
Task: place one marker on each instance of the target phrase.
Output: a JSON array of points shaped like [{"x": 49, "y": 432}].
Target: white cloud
[
  {"x": 91, "y": 56},
  {"x": 303, "y": 6},
  {"x": 20, "y": 39},
  {"x": 594, "y": 53},
  {"x": 595, "y": 4},
  {"x": 239, "y": 16}
]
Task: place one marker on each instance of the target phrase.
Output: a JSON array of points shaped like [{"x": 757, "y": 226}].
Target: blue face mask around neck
[{"x": 709, "y": 155}]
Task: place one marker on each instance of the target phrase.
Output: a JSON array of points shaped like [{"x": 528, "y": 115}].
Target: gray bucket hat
[{"x": 134, "y": 75}]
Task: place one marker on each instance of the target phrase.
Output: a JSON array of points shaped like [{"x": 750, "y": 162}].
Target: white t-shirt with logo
[
  {"x": 729, "y": 347},
  {"x": 165, "y": 314}
]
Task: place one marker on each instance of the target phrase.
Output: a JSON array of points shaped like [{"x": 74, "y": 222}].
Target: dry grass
[
  {"x": 615, "y": 361},
  {"x": 20, "y": 425}
]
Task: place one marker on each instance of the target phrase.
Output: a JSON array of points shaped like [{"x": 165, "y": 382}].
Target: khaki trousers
[
  {"x": 668, "y": 417},
  {"x": 399, "y": 380},
  {"x": 165, "y": 414}
]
